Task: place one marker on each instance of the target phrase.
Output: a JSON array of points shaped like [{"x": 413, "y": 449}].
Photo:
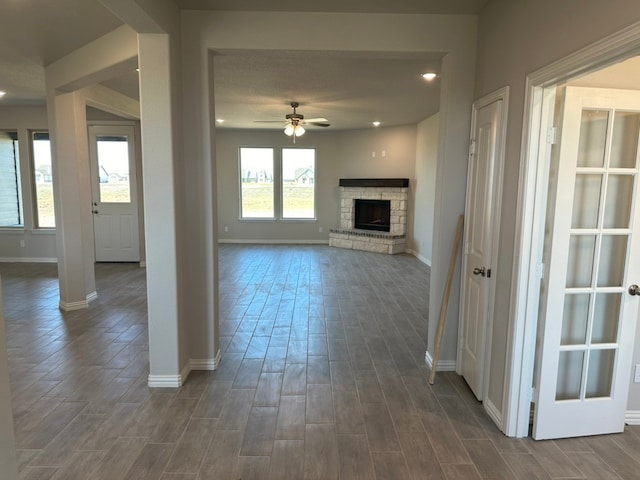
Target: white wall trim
[
  {"x": 443, "y": 365},
  {"x": 273, "y": 242},
  {"x": 80, "y": 305},
  {"x": 422, "y": 258},
  {"x": 632, "y": 417},
  {"x": 28, "y": 260},
  {"x": 206, "y": 363},
  {"x": 493, "y": 412},
  {"x": 164, "y": 381}
]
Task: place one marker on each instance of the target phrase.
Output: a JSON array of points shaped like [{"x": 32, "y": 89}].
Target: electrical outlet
[
  {"x": 22, "y": 243},
  {"x": 636, "y": 377},
  {"x": 226, "y": 229},
  {"x": 320, "y": 229}
]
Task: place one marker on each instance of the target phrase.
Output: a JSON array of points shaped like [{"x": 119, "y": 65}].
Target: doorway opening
[{"x": 529, "y": 297}]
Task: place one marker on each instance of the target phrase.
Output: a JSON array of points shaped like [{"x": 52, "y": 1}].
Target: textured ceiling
[{"x": 349, "y": 91}]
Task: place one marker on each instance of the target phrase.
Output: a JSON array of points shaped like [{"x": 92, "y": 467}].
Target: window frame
[
  {"x": 278, "y": 186},
  {"x": 314, "y": 217},
  {"x": 18, "y": 179},
  {"x": 33, "y": 183}
]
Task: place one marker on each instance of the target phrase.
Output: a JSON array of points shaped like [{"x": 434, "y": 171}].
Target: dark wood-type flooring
[{"x": 322, "y": 377}]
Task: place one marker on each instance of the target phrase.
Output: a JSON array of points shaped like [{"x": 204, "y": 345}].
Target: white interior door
[
  {"x": 115, "y": 205},
  {"x": 478, "y": 243},
  {"x": 591, "y": 312}
]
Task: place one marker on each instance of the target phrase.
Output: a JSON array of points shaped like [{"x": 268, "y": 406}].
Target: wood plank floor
[{"x": 322, "y": 377}]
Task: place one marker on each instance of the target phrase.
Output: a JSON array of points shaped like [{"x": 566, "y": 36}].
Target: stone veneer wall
[{"x": 372, "y": 241}]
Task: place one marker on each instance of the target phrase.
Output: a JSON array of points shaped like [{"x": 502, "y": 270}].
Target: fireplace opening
[{"x": 373, "y": 215}]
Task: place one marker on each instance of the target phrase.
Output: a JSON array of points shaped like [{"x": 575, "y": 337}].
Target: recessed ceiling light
[
  {"x": 219, "y": 120},
  {"x": 2, "y": 93},
  {"x": 376, "y": 124},
  {"x": 429, "y": 76}
]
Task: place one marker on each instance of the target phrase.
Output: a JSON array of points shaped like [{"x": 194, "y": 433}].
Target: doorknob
[
  {"x": 95, "y": 211},
  {"x": 479, "y": 271},
  {"x": 634, "y": 290}
]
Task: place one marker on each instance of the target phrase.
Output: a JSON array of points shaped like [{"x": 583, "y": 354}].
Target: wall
[
  {"x": 39, "y": 244},
  {"x": 510, "y": 45},
  {"x": 339, "y": 154},
  {"x": 424, "y": 188}
]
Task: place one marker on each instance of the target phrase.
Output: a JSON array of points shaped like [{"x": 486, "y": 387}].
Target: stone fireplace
[{"x": 373, "y": 215}]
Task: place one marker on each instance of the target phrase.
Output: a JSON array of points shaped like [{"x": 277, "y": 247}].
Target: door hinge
[
  {"x": 552, "y": 135},
  {"x": 472, "y": 146},
  {"x": 540, "y": 271}
]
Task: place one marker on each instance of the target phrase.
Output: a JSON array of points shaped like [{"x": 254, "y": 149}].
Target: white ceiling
[{"x": 349, "y": 91}]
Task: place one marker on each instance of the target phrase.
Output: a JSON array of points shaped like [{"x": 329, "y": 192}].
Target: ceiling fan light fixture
[
  {"x": 288, "y": 130},
  {"x": 299, "y": 131}
]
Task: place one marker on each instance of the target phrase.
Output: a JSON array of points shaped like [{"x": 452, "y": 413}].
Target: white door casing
[
  {"x": 114, "y": 193},
  {"x": 589, "y": 319},
  {"x": 484, "y": 190}
]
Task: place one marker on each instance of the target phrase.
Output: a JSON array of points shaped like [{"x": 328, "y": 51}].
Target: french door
[{"x": 592, "y": 304}]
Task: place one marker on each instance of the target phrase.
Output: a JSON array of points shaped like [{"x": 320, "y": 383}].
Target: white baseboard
[
  {"x": 28, "y": 260},
  {"x": 80, "y": 305},
  {"x": 422, "y": 258},
  {"x": 164, "y": 381},
  {"x": 176, "y": 381},
  {"x": 632, "y": 417},
  {"x": 206, "y": 363},
  {"x": 493, "y": 412},
  {"x": 443, "y": 365},
  {"x": 273, "y": 242}
]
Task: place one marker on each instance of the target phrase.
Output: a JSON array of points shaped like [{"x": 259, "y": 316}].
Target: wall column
[
  {"x": 72, "y": 191},
  {"x": 160, "y": 211}
]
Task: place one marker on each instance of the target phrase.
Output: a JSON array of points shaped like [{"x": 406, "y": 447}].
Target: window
[
  {"x": 289, "y": 194},
  {"x": 113, "y": 168},
  {"x": 256, "y": 183},
  {"x": 298, "y": 182},
  {"x": 45, "y": 216},
  {"x": 10, "y": 191}
]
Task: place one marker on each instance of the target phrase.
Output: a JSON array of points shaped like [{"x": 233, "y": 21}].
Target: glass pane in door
[
  {"x": 600, "y": 372},
  {"x": 113, "y": 168},
  {"x": 593, "y": 137},
  {"x": 624, "y": 144}
]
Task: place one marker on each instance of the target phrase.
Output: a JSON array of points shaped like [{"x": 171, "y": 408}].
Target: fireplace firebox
[{"x": 372, "y": 215}]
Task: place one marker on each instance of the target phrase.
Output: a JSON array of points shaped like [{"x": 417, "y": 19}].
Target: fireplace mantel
[{"x": 375, "y": 182}]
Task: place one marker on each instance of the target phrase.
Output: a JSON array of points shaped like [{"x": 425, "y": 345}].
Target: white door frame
[
  {"x": 529, "y": 236},
  {"x": 498, "y": 173}
]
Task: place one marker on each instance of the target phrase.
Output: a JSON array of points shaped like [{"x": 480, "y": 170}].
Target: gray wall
[
  {"x": 425, "y": 188},
  {"x": 511, "y": 44},
  {"x": 346, "y": 154}
]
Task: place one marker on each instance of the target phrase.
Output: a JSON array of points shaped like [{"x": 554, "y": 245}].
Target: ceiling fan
[{"x": 295, "y": 121}]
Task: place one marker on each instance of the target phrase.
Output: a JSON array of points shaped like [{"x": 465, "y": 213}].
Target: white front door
[
  {"x": 588, "y": 325},
  {"x": 477, "y": 267},
  {"x": 115, "y": 205}
]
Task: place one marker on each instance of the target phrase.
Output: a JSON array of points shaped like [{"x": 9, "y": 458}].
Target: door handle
[
  {"x": 95, "y": 211},
  {"x": 479, "y": 271},
  {"x": 634, "y": 290}
]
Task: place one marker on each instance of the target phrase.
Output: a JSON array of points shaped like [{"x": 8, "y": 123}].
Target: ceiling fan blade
[
  {"x": 269, "y": 121},
  {"x": 319, "y": 124},
  {"x": 316, "y": 120}
]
